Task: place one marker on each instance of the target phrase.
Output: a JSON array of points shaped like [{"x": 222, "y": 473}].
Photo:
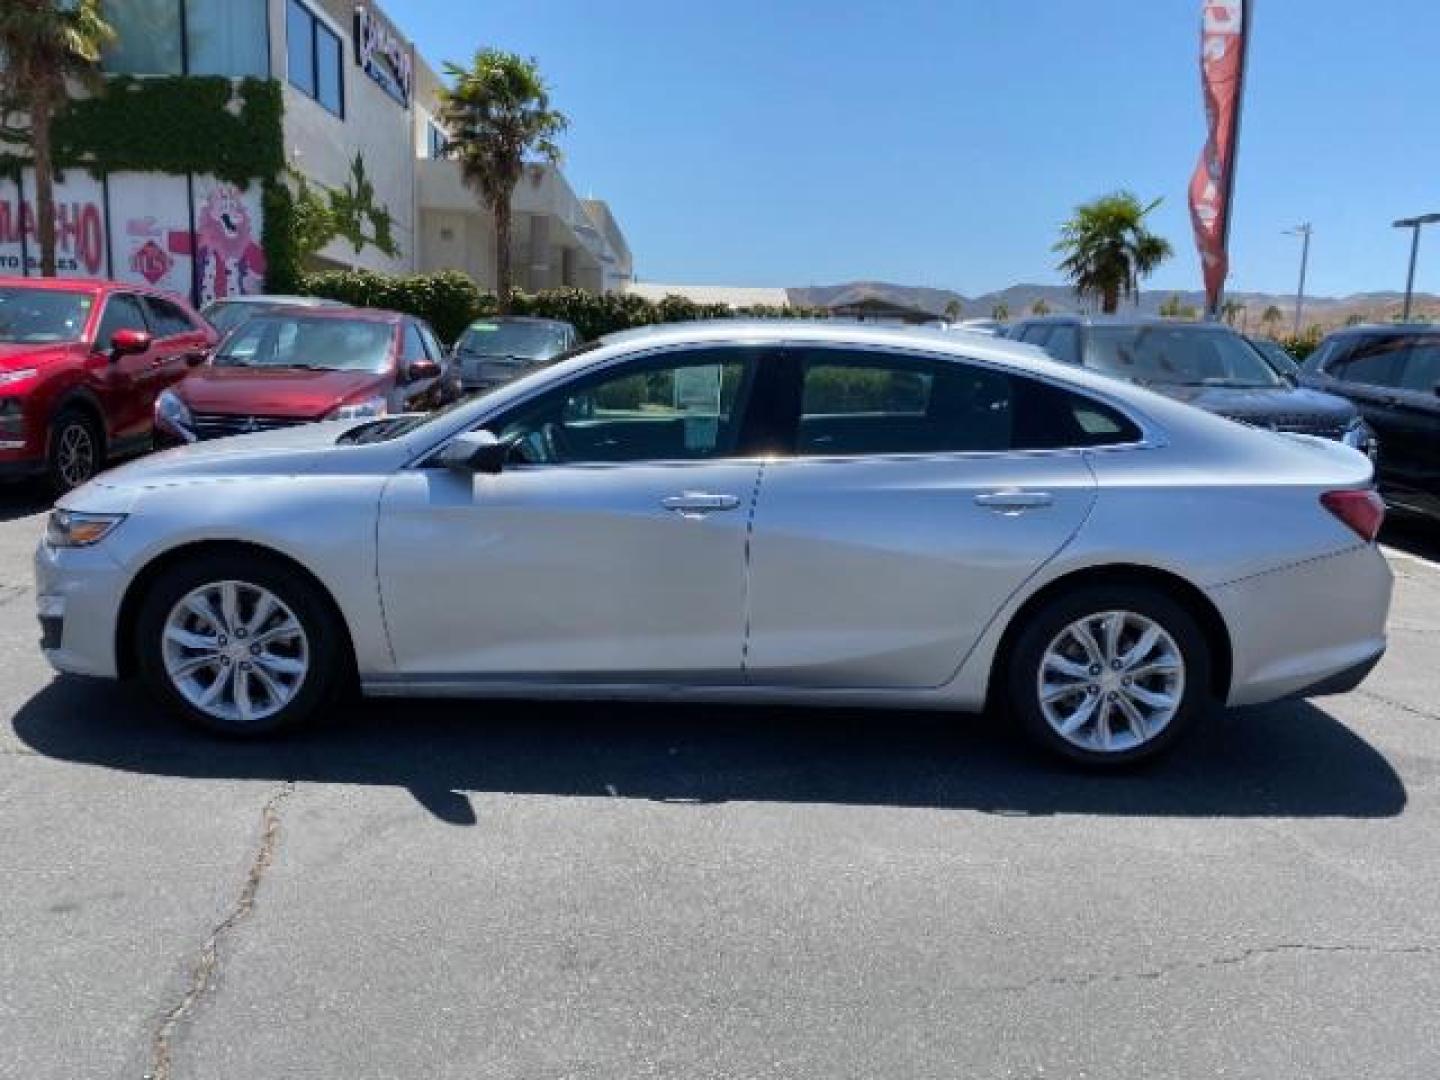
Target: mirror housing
[
  {"x": 418, "y": 370},
  {"x": 129, "y": 343},
  {"x": 475, "y": 452}
]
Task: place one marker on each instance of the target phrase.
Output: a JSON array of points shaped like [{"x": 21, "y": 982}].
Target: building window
[
  {"x": 189, "y": 37},
  {"x": 316, "y": 57},
  {"x": 438, "y": 140}
]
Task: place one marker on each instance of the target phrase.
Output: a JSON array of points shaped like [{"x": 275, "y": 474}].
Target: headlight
[
  {"x": 362, "y": 410},
  {"x": 173, "y": 416},
  {"x": 70, "y": 530},
  {"x": 17, "y": 375}
]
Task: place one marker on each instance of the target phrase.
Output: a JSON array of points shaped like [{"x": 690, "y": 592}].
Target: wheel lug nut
[{"x": 224, "y": 640}]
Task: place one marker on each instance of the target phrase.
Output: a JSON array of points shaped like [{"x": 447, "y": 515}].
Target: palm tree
[
  {"x": 1170, "y": 307},
  {"x": 1000, "y": 312},
  {"x": 1272, "y": 317},
  {"x": 1230, "y": 311},
  {"x": 1108, "y": 250},
  {"x": 498, "y": 118},
  {"x": 953, "y": 310},
  {"x": 1040, "y": 309},
  {"x": 45, "y": 43}
]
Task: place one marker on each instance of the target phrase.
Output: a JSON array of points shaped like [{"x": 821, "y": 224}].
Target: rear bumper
[{"x": 1314, "y": 628}]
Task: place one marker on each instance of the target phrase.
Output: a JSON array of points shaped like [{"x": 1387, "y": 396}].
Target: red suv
[
  {"x": 290, "y": 366},
  {"x": 81, "y": 364}
]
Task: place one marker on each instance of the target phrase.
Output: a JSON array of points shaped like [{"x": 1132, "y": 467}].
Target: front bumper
[{"x": 78, "y": 593}]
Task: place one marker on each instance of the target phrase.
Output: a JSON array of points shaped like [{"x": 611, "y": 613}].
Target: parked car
[
  {"x": 1392, "y": 373},
  {"x": 756, "y": 512},
  {"x": 1279, "y": 357},
  {"x": 225, "y": 315},
  {"x": 81, "y": 364},
  {"x": 491, "y": 352},
  {"x": 1207, "y": 365},
  {"x": 288, "y": 366},
  {"x": 992, "y": 327}
]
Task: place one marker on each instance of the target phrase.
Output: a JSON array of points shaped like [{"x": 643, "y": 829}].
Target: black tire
[
  {"x": 330, "y": 666},
  {"x": 71, "y": 430},
  {"x": 1043, "y": 627}
]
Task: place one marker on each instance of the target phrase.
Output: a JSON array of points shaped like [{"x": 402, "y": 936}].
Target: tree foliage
[
  {"x": 1108, "y": 250},
  {"x": 498, "y": 117}
]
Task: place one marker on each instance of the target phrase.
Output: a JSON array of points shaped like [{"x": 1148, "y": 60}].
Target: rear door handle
[
  {"x": 699, "y": 503},
  {"x": 1014, "y": 501}
]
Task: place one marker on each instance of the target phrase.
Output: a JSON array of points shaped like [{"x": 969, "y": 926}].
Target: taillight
[{"x": 1363, "y": 511}]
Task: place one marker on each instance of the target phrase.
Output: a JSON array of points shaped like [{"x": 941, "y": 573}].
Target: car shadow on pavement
[
  {"x": 23, "y": 500},
  {"x": 1415, "y": 536},
  {"x": 1286, "y": 760}
]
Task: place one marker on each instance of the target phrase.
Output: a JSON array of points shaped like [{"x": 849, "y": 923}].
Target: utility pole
[
  {"x": 1415, "y": 224},
  {"x": 1304, "y": 232}
]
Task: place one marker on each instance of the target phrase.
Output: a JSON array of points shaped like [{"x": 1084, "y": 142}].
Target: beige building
[{"x": 360, "y": 108}]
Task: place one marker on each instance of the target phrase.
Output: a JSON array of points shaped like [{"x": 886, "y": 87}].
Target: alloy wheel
[
  {"x": 235, "y": 651},
  {"x": 1111, "y": 681},
  {"x": 75, "y": 455}
]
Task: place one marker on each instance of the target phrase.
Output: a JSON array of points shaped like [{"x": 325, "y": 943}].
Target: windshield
[
  {"x": 301, "y": 341},
  {"x": 42, "y": 316},
  {"x": 525, "y": 341},
  {"x": 1177, "y": 356},
  {"x": 1279, "y": 359}
]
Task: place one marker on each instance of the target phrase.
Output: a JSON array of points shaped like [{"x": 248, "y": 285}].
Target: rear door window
[
  {"x": 168, "y": 319},
  {"x": 1420, "y": 370}
]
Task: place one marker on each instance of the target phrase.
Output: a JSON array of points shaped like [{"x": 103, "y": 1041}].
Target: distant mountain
[{"x": 1326, "y": 311}]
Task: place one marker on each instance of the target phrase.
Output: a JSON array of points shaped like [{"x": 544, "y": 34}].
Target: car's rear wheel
[
  {"x": 75, "y": 453},
  {"x": 1109, "y": 675},
  {"x": 239, "y": 645}
]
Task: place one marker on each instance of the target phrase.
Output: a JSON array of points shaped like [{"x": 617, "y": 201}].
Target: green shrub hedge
[{"x": 450, "y": 301}]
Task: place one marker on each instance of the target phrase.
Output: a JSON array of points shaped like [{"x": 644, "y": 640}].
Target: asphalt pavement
[{"x": 489, "y": 889}]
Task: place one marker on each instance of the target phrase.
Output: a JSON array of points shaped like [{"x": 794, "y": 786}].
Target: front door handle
[
  {"x": 699, "y": 503},
  {"x": 1014, "y": 502}
]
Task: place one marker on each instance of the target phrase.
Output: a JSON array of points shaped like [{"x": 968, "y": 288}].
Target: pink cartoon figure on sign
[{"x": 231, "y": 262}]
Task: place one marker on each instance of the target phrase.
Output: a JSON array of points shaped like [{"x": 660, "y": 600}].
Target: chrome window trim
[{"x": 1151, "y": 437}]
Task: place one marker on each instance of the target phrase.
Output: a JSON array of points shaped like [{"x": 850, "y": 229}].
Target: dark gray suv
[
  {"x": 1393, "y": 374},
  {"x": 1204, "y": 364}
]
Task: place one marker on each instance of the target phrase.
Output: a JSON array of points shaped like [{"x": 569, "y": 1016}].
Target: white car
[{"x": 753, "y": 512}]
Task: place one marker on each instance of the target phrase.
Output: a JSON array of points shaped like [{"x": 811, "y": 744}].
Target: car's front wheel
[
  {"x": 1109, "y": 675},
  {"x": 239, "y": 645},
  {"x": 75, "y": 453}
]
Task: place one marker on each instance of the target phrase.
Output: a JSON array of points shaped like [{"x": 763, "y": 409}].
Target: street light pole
[
  {"x": 1301, "y": 231},
  {"x": 1414, "y": 224}
]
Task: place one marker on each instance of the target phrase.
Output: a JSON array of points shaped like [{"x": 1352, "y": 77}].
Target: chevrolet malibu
[{"x": 780, "y": 513}]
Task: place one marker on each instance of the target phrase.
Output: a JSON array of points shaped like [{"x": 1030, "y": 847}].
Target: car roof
[
  {"x": 1387, "y": 328},
  {"x": 341, "y": 312},
  {"x": 1127, "y": 322},
  {"x": 279, "y": 300},
  {"x": 534, "y": 320}
]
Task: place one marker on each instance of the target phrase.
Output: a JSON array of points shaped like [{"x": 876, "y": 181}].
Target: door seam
[{"x": 749, "y": 571}]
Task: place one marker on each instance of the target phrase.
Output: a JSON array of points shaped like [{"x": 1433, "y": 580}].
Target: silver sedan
[{"x": 753, "y": 512}]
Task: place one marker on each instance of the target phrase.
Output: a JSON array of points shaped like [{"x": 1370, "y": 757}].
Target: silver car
[{"x": 750, "y": 512}]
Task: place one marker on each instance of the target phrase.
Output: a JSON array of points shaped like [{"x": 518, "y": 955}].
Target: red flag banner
[{"x": 1222, "y": 68}]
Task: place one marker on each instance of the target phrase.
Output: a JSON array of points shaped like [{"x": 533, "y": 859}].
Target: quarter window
[
  {"x": 677, "y": 408},
  {"x": 870, "y": 403},
  {"x": 315, "y": 57}
]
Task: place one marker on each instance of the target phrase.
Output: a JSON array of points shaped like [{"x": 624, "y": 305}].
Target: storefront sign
[
  {"x": 80, "y": 236},
  {"x": 150, "y": 231},
  {"x": 383, "y": 54}
]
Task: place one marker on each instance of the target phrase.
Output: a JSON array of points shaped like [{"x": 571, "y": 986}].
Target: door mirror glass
[
  {"x": 475, "y": 452},
  {"x": 129, "y": 342}
]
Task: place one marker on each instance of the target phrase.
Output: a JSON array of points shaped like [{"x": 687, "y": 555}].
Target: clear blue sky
[{"x": 941, "y": 142}]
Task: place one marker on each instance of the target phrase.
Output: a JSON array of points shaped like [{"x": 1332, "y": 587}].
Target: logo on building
[
  {"x": 383, "y": 54},
  {"x": 151, "y": 262}
]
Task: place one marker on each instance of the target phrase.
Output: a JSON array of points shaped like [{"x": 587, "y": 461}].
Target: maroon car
[
  {"x": 292, "y": 366},
  {"x": 81, "y": 366}
]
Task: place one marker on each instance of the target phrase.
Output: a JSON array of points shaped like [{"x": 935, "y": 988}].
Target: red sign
[
  {"x": 151, "y": 262},
  {"x": 1222, "y": 70}
]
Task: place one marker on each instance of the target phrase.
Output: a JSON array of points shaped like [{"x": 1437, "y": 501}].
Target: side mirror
[
  {"x": 475, "y": 452},
  {"x": 420, "y": 370},
  {"x": 129, "y": 343}
]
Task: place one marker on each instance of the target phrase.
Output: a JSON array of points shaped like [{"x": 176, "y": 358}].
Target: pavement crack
[
  {"x": 207, "y": 961},
  {"x": 1413, "y": 710},
  {"x": 1246, "y": 956}
]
